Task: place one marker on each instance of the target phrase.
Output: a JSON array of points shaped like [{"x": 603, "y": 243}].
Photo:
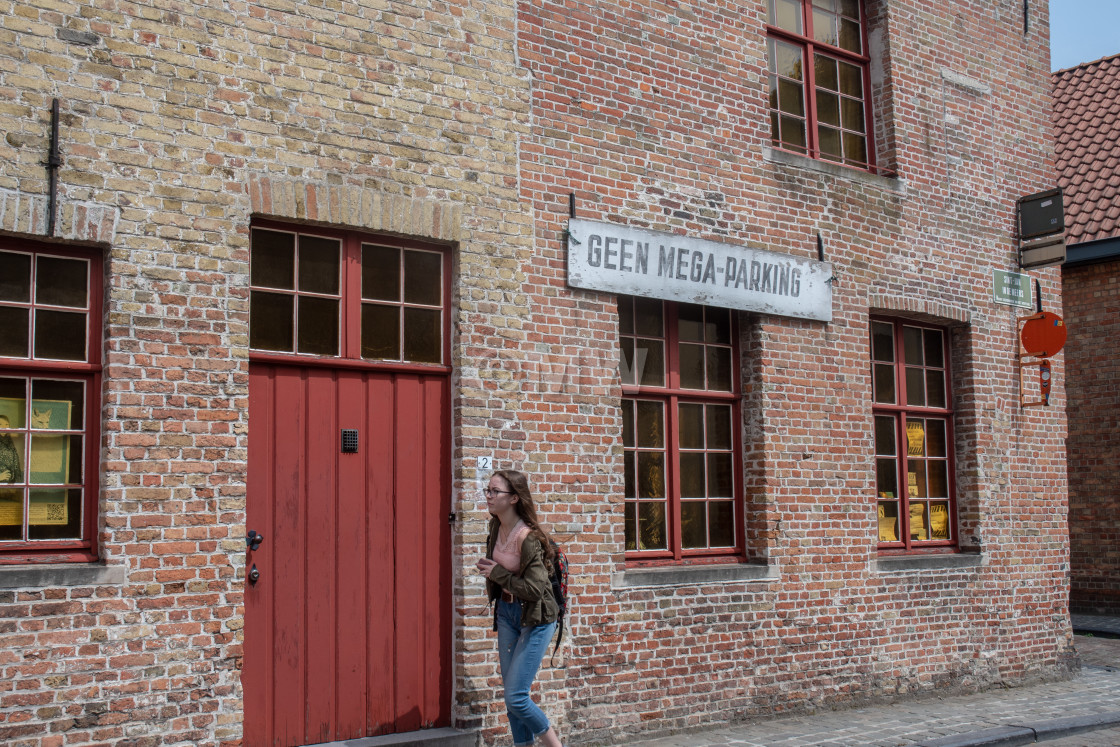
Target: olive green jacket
[{"x": 531, "y": 584}]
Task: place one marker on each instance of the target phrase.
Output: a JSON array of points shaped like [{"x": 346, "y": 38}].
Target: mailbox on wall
[{"x": 1040, "y": 220}]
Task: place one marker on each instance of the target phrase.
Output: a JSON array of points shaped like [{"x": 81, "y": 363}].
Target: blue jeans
[{"x": 520, "y": 651}]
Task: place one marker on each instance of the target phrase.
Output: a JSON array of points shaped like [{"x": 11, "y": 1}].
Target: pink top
[{"x": 508, "y": 554}]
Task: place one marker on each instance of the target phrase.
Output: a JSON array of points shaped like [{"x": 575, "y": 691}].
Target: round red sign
[{"x": 1043, "y": 334}]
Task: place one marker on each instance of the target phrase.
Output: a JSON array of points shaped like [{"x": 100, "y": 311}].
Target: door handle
[
  {"x": 254, "y": 575},
  {"x": 253, "y": 540}
]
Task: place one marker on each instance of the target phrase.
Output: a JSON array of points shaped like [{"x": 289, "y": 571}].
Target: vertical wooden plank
[
  {"x": 411, "y": 548},
  {"x": 381, "y": 424},
  {"x": 256, "y": 664},
  {"x": 352, "y": 596},
  {"x": 436, "y": 552},
  {"x": 319, "y": 495},
  {"x": 288, "y": 601}
]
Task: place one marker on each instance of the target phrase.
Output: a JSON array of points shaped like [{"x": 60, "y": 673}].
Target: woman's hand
[{"x": 485, "y": 565}]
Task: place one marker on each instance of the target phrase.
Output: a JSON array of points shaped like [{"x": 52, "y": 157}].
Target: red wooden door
[{"x": 347, "y": 629}]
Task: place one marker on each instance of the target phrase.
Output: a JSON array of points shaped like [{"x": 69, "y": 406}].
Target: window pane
[
  {"x": 855, "y": 148},
  {"x": 60, "y": 335},
  {"x": 882, "y": 341},
  {"x": 888, "y": 521},
  {"x": 886, "y": 478},
  {"x": 271, "y": 326},
  {"x": 935, "y": 388},
  {"x": 828, "y": 109},
  {"x": 918, "y": 522},
  {"x": 381, "y": 331},
  {"x": 422, "y": 338},
  {"x": 12, "y": 451},
  {"x": 915, "y": 386},
  {"x": 793, "y": 134},
  {"x": 13, "y": 402},
  {"x": 626, "y": 361},
  {"x": 15, "y": 277},
  {"x": 775, "y": 133},
  {"x": 790, "y": 98},
  {"x": 651, "y": 425},
  {"x": 825, "y": 69},
  {"x": 692, "y": 474},
  {"x": 57, "y": 405},
  {"x": 651, "y": 474},
  {"x": 719, "y": 369},
  {"x": 849, "y": 36},
  {"x": 626, "y": 315},
  {"x": 651, "y": 524},
  {"x": 692, "y": 366},
  {"x": 916, "y": 479},
  {"x": 935, "y": 438},
  {"x": 850, "y": 8},
  {"x": 939, "y": 528},
  {"x": 630, "y": 465},
  {"x": 318, "y": 325},
  {"x": 631, "y": 520},
  {"x": 272, "y": 259},
  {"x": 649, "y": 362},
  {"x": 61, "y": 282},
  {"x": 884, "y": 436},
  {"x": 785, "y": 14},
  {"x": 915, "y": 438},
  {"x": 851, "y": 80},
  {"x": 938, "y": 478},
  {"x": 628, "y": 423},
  {"x": 11, "y": 514},
  {"x": 717, "y": 327},
  {"x": 54, "y": 460},
  {"x": 14, "y": 331},
  {"x": 935, "y": 354},
  {"x": 381, "y": 273},
  {"x": 694, "y": 525},
  {"x": 787, "y": 60},
  {"x": 884, "y": 383},
  {"x": 721, "y": 524},
  {"x": 720, "y": 479},
  {"x": 851, "y": 117},
  {"x": 719, "y": 427},
  {"x": 824, "y": 27},
  {"x": 55, "y": 514},
  {"x": 423, "y": 273},
  {"x": 319, "y": 264},
  {"x": 649, "y": 317},
  {"x": 690, "y": 322},
  {"x": 829, "y": 143},
  {"x": 691, "y": 426}
]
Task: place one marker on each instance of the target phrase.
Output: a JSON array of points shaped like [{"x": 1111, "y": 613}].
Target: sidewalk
[{"x": 997, "y": 717}]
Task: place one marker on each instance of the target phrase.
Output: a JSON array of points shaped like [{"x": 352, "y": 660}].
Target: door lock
[
  {"x": 254, "y": 540},
  {"x": 254, "y": 575}
]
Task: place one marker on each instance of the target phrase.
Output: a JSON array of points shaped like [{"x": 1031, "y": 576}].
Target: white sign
[{"x": 632, "y": 261}]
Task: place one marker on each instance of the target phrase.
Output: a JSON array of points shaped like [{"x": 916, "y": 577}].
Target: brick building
[
  {"x": 1086, "y": 127},
  {"x": 718, "y": 277}
]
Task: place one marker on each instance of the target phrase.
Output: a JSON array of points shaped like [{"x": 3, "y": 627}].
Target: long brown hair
[{"x": 525, "y": 507}]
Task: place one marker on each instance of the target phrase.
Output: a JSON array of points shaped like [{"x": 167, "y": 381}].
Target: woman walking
[{"x": 518, "y": 554}]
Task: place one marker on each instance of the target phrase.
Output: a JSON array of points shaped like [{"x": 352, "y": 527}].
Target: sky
[{"x": 1083, "y": 31}]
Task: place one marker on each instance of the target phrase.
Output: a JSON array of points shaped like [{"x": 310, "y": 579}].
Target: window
[
  {"x": 913, "y": 435},
  {"x": 50, "y": 385},
  {"x": 819, "y": 79},
  {"x": 680, "y": 413},
  {"x": 342, "y": 295}
]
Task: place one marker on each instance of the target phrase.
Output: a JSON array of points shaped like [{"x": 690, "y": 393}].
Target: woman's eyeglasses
[{"x": 490, "y": 492}]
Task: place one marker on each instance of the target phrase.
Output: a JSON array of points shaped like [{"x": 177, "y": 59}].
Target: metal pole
[{"x": 53, "y": 162}]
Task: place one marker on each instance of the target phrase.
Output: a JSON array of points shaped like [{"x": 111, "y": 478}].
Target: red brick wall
[{"x": 1091, "y": 305}]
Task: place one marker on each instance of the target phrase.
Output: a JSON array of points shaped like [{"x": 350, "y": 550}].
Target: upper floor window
[
  {"x": 680, "y": 432},
  {"x": 819, "y": 80},
  {"x": 913, "y": 435},
  {"x": 50, "y": 385}
]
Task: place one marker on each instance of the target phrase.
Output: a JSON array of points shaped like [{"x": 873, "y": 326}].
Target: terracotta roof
[{"x": 1086, "y": 123}]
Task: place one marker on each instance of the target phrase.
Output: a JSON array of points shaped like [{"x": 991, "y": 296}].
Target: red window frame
[
  {"x": 350, "y": 299},
  {"x": 810, "y": 47},
  {"x": 923, "y": 455},
  {"x": 84, "y": 547},
  {"x": 671, "y": 394}
]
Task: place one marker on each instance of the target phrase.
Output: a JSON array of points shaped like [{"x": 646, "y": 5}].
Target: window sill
[
  {"x": 795, "y": 160},
  {"x": 942, "y": 562},
  {"x": 692, "y": 575},
  {"x": 61, "y": 574}
]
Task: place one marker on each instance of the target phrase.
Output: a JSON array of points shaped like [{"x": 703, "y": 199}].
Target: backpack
[{"x": 559, "y": 578}]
